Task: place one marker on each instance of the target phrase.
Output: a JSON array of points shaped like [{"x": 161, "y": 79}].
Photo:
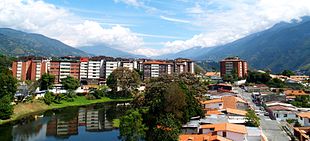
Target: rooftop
[
  {"x": 226, "y": 127},
  {"x": 236, "y": 111},
  {"x": 304, "y": 114},
  {"x": 201, "y": 137},
  {"x": 212, "y": 101}
]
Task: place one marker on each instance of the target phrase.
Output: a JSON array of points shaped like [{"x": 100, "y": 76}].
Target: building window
[
  {"x": 224, "y": 134},
  {"x": 285, "y": 115},
  {"x": 300, "y": 118},
  {"x": 220, "y": 104}
]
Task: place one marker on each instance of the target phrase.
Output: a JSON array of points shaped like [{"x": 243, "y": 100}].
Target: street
[{"x": 271, "y": 128}]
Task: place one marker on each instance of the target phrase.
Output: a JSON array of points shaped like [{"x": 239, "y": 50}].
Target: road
[{"x": 271, "y": 128}]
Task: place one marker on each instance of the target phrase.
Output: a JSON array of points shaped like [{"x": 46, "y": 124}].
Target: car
[{"x": 266, "y": 114}]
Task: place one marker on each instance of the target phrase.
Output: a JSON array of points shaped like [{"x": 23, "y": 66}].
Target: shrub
[{"x": 48, "y": 98}]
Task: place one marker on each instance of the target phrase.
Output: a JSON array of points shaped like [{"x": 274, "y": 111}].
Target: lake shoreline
[{"x": 22, "y": 110}]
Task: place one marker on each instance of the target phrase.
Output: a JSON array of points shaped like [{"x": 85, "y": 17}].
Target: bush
[
  {"x": 90, "y": 97},
  {"x": 49, "y": 98}
]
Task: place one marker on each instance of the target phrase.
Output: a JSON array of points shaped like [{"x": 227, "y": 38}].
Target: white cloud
[
  {"x": 225, "y": 21},
  {"x": 58, "y": 23},
  {"x": 195, "y": 10},
  {"x": 135, "y": 3},
  {"x": 174, "y": 19}
]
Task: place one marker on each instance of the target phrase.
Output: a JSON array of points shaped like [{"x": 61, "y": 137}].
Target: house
[
  {"x": 224, "y": 102},
  {"x": 302, "y": 133},
  {"x": 234, "y": 102},
  {"x": 230, "y": 131},
  {"x": 282, "y": 113},
  {"x": 213, "y": 104},
  {"x": 235, "y": 115},
  {"x": 304, "y": 118},
  {"x": 292, "y": 94}
]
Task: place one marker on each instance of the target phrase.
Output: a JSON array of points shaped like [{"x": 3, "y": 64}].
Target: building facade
[{"x": 233, "y": 65}]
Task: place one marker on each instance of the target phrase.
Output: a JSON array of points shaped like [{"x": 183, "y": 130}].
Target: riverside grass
[{"x": 25, "y": 109}]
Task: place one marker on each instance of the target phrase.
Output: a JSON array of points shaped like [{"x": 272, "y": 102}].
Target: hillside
[
  {"x": 283, "y": 46},
  {"x": 18, "y": 43},
  {"x": 108, "y": 51}
]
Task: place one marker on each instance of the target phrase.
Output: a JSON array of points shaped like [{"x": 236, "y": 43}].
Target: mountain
[
  {"x": 108, "y": 51},
  {"x": 18, "y": 43},
  {"x": 283, "y": 46}
]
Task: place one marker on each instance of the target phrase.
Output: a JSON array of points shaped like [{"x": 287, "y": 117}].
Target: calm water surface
[{"x": 88, "y": 123}]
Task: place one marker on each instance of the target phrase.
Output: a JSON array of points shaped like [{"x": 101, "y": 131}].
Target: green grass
[
  {"x": 116, "y": 123},
  {"x": 25, "y": 109}
]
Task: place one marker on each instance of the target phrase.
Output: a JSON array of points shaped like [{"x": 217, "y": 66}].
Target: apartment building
[
  {"x": 30, "y": 69},
  {"x": 232, "y": 65},
  {"x": 110, "y": 66},
  {"x": 182, "y": 65},
  {"x": 62, "y": 69},
  {"x": 153, "y": 69},
  {"x": 83, "y": 68}
]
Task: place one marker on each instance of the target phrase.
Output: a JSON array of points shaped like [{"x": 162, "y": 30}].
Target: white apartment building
[
  {"x": 109, "y": 67},
  {"x": 94, "y": 68},
  {"x": 154, "y": 70},
  {"x": 83, "y": 70},
  {"x": 128, "y": 65},
  {"x": 64, "y": 70}
]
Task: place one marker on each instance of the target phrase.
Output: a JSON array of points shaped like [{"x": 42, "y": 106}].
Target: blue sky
[
  {"x": 138, "y": 19},
  {"x": 148, "y": 27}
]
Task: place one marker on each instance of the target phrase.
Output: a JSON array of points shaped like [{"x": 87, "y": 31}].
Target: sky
[{"x": 148, "y": 27}]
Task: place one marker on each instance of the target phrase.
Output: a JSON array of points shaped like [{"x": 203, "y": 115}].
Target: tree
[
  {"x": 70, "y": 83},
  {"x": 132, "y": 127},
  {"x": 46, "y": 81},
  {"x": 167, "y": 129},
  {"x": 8, "y": 87},
  {"x": 252, "y": 119},
  {"x": 49, "y": 98},
  {"x": 6, "y": 109},
  {"x": 258, "y": 77},
  {"x": 276, "y": 83},
  {"x": 124, "y": 80},
  {"x": 288, "y": 73}
]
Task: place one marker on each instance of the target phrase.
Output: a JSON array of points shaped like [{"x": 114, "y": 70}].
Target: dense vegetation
[
  {"x": 302, "y": 101},
  {"x": 264, "y": 78},
  {"x": 168, "y": 102},
  {"x": 8, "y": 87}
]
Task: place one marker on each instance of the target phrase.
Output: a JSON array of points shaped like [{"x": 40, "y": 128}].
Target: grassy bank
[{"x": 24, "y": 109}]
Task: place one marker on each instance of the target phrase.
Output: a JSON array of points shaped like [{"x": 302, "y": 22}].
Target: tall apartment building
[
  {"x": 183, "y": 65},
  {"x": 94, "y": 68},
  {"x": 231, "y": 65},
  {"x": 30, "y": 69},
  {"x": 110, "y": 66},
  {"x": 83, "y": 68},
  {"x": 62, "y": 69},
  {"x": 153, "y": 69}
]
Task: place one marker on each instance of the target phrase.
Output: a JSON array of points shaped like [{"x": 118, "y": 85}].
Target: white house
[
  {"x": 282, "y": 111},
  {"x": 304, "y": 118},
  {"x": 213, "y": 104}
]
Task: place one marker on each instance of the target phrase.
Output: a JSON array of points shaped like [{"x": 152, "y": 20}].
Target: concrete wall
[
  {"x": 233, "y": 136},
  {"x": 214, "y": 105}
]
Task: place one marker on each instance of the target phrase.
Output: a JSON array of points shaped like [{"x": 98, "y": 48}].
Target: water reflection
[{"x": 92, "y": 122}]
